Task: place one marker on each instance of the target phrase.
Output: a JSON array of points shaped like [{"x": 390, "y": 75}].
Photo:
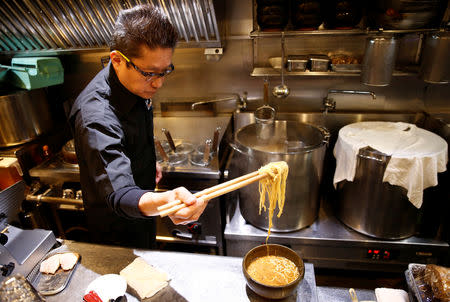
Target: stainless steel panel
[
  {"x": 329, "y": 244},
  {"x": 194, "y": 129}
]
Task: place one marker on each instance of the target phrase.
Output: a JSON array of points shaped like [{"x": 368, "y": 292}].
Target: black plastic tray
[{"x": 421, "y": 290}]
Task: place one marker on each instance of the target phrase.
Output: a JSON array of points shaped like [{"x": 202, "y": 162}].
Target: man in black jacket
[{"x": 112, "y": 120}]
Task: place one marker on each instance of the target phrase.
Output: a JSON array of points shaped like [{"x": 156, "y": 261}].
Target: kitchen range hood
[{"x": 70, "y": 25}]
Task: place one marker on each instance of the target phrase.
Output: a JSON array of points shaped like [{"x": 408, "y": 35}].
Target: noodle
[
  {"x": 273, "y": 270},
  {"x": 275, "y": 186}
]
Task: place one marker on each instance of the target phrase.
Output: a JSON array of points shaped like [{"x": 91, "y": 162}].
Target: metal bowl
[{"x": 267, "y": 291}]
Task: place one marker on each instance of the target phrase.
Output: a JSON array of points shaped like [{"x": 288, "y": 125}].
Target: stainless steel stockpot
[
  {"x": 24, "y": 115},
  {"x": 303, "y": 147},
  {"x": 371, "y": 206}
]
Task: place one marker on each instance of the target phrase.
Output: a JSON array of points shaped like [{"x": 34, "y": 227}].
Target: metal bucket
[
  {"x": 373, "y": 207},
  {"x": 303, "y": 147},
  {"x": 24, "y": 115},
  {"x": 435, "y": 67},
  {"x": 379, "y": 60}
]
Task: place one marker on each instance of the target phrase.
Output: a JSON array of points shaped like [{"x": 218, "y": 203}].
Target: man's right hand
[
  {"x": 149, "y": 202},
  {"x": 191, "y": 213}
]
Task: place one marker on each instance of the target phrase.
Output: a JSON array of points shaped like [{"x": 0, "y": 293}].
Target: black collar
[{"x": 121, "y": 98}]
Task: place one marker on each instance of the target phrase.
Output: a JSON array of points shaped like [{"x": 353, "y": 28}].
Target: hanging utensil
[
  {"x": 215, "y": 143},
  {"x": 161, "y": 150},
  {"x": 265, "y": 115},
  {"x": 207, "y": 152},
  {"x": 169, "y": 139},
  {"x": 281, "y": 91}
]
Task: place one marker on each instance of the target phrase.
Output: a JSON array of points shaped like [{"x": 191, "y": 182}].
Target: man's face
[{"x": 150, "y": 60}]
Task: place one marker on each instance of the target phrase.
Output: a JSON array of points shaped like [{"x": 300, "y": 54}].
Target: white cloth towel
[
  {"x": 417, "y": 155},
  {"x": 391, "y": 295}
]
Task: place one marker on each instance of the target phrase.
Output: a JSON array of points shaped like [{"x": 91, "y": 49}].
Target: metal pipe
[
  {"x": 352, "y": 92},
  {"x": 54, "y": 200},
  {"x": 236, "y": 97},
  {"x": 330, "y": 104}
]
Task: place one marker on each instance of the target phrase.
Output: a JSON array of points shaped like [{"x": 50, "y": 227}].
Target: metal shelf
[
  {"x": 348, "y": 32},
  {"x": 267, "y": 72}
]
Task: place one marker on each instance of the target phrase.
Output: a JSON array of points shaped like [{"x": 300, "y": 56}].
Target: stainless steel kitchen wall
[{"x": 197, "y": 77}]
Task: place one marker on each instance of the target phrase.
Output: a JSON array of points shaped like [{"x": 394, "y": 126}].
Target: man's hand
[
  {"x": 191, "y": 213},
  {"x": 158, "y": 173},
  {"x": 150, "y": 201}
]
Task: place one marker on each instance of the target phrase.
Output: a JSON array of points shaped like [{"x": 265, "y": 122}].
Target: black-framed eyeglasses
[{"x": 149, "y": 76}]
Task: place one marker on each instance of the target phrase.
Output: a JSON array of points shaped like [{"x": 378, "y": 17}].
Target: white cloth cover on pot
[{"x": 417, "y": 155}]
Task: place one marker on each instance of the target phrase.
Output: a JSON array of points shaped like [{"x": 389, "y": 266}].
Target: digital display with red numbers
[{"x": 378, "y": 254}]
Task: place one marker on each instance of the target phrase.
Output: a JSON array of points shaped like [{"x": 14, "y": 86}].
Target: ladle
[
  {"x": 265, "y": 116},
  {"x": 266, "y": 113},
  {"x": 281, "y": 91}
]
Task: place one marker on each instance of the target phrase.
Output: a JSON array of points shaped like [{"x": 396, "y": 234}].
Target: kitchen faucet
[
  {"x": 330, "y": 104},
  {"x": 241, "y": 102}
]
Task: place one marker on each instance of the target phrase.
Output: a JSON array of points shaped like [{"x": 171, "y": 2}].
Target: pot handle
[
  {"x": 379, "y": 158},
  {"x": 326, "y": 134},
  {"x": 238, "y": 149},
  {"x": 31, "y": 71}
]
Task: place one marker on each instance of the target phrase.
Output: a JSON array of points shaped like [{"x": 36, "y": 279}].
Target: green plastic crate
[
  {"x": 3, "y": 72},
  {"x": 36, "y": 72}
]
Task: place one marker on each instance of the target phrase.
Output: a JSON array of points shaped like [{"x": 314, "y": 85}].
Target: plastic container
[
  {"x": 319, "y": 62},
  {"x": 35, "y": 72},
  {"x": 307, "y": 14},
  {"x": 272, "y": 15},
  {"x": 10, "y": 172},
  {"x": 297, "y": 63}
]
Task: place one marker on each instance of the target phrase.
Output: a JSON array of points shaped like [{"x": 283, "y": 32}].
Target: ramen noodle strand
[{"x": 275, "y": 187}]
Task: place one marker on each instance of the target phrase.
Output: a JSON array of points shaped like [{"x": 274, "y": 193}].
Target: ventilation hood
[{"x": 61, "y": 25}]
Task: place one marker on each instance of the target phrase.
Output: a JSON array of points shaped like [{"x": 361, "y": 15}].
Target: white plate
[{"x": 110, "y": 286}]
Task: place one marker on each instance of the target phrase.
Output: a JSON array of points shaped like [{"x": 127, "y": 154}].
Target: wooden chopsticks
[{"x": 213, "y": 192}]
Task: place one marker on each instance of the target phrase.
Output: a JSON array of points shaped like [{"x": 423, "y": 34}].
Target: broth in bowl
[{"x": 273, "y": 270}]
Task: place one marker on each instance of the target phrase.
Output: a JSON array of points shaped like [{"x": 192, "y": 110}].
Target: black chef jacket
[{"x": 113, "y": 134}]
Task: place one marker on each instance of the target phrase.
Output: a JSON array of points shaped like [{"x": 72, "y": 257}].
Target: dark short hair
[{"x": 142, "y": 25}]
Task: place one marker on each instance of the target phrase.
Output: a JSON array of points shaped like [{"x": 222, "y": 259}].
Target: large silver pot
[
  {"x": 303, "y": 147},
  {"x": 373, "y": 207},
  {"x": 24, "y": 115}
]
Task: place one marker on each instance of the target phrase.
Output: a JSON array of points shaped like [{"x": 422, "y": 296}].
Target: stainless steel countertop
[
  {"x": 326, "y": 228},
  {"x": 194, "y": 277}
]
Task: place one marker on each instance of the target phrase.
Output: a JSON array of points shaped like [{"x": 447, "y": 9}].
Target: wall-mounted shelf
[
  {"x": 269, "y": 72},
  {"x": 345, "y": 32}
]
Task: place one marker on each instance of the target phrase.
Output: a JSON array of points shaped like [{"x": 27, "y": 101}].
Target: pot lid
[{"x": 280, "y": 137}]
